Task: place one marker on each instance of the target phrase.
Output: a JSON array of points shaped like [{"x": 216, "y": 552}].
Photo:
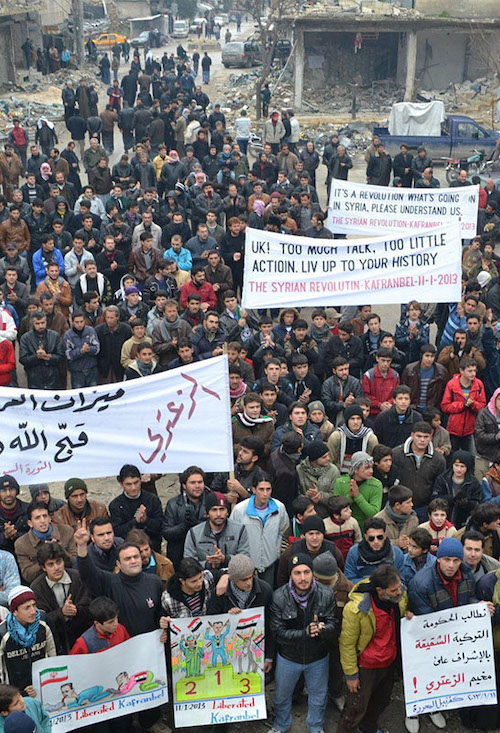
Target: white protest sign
[
  {"x": 218, "y": 668},
  {"x": 448, "y": 660},
  {"x": 84, "y": 689},
  {"x": 154, "y": 422},
  {"x": 357, "y": 208},
  {"x": 283, "y": 270}
]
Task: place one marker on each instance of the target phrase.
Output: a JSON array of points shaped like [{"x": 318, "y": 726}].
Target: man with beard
[
  {"x": 41, "y": 353},
  {"x": 369, "y": 646}
]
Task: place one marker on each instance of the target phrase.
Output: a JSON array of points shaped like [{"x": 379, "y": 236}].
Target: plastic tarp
[{"x": 415, "y": 118}]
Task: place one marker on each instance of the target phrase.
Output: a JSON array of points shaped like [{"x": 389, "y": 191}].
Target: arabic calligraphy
[
  {"x": 56, "y": 403},
  {"x": 164, "y": 439}
]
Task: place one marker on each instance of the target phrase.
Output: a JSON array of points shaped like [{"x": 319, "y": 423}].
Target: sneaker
[
  {"x": 339, "y": 702},
  {"x": 412, "y": 724},
  {"x": 438, "y": 719}
]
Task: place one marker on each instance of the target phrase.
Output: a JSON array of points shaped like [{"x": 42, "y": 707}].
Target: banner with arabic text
[
  {"x": 218, "y": 668},
  {"x": 84, "y": 689},
  {"x": 357, "y": 208},
  {"x": 448, "y": 660},
  {"x": 160, "y": 423}
]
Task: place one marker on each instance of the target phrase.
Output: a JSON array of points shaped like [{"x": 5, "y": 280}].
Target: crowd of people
[{"x": 367, "y": 460}]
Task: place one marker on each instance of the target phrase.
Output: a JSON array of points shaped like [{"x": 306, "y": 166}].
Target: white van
[{"x": 180, "y": 29}]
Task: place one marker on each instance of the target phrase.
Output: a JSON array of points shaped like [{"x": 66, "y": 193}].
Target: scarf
[
  {"x": 301, "y": 599},
  {"x": 399, "y": 519},
  {"x": 242, "y": 596},
  {"x": 320, "y": 334},
  {"x": 25, "y": 636},
  {"x": 494, "y": 475},
  {"x": 374, "y": 557},
  {"x": 239, "y": 392},
  {"x": 251, "y": 422},
  {"x": 491, "y": 404},
  {"x": 166, "y": 326},
  {"x": 364, "y": 430},
  {"x": 145, "y": 369},
  {"x": 45, "y": 536},
  {"x": 443, "y": 527},
  {"x": 345, "y": 434}
]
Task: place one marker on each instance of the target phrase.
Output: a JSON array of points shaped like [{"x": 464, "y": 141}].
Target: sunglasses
[{"x": 375, "y": 537}]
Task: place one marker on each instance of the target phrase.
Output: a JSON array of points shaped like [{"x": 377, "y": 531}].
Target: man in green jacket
[
  {"x": 363, "y": 491},
  {"x": 368, "y": 647}
]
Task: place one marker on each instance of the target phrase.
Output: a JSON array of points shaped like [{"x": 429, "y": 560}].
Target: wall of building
[
  {"x": 459, "y": 8},
  {"x": 54, "y": 13},
  {"x": 330, "y": 58},
  {"x": 133, "y": 9}
]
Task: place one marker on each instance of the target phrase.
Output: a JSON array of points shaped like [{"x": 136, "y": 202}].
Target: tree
[
  {"x": 186, "y": 8},
  {"x": 268, "y": 31}
]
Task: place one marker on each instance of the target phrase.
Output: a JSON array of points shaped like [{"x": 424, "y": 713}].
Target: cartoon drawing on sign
[
  {"x": 217, "y": 637},
  {"x": 193, "y": 654},
  {"x": 72, "y": 699},
  {"x": 246, "y": 650}
]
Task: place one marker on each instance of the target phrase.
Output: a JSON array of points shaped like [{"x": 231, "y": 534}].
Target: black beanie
[
  {"x": 313, "y": 522},
  {"x": 351, "y": 411}
]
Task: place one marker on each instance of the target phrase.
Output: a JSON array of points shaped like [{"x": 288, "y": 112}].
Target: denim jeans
[
  {"x": 287, "y": 676},
  {"x": 87, "y": 378}
]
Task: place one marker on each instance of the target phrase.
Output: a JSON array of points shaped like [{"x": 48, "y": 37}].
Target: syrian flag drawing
[
  {"x": 248, "y": 623},
  {"x": 194, "y": 625},
  {"x": 174, "y": 629},
  {"x": 53, "y": 674}
]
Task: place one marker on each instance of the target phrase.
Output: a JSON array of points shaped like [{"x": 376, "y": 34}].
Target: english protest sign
[
  {"x": 357, "y": 208},
  {"x": 284, "y": 270}
]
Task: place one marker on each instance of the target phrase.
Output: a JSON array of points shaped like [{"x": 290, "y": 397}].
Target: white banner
[
  {"x": 283, "y": 270},
  {"x": 85, "y": 689},
  {"x": 448, "y": 660},
  {"x": 157, "y": 423},
  {"x": 357, "y": 208},
  {"x": 218, "y": 668}
]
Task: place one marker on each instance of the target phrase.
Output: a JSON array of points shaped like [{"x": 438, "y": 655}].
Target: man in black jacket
[
  {"x": 347, "y": 345},
  {"x": 302, "y": 622},
  {"x": 184, "y": 511},
  {"x": 103, "y": 549},
  {"x": 42, "y": 353},
  {"x": 135, "y": 508},
  {"x": 395, "y": 425},
  {"x": 13, "y": 513},
  {"x": 112, "y": 335}
]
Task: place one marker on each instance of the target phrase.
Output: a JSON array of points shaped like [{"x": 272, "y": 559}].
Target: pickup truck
[{"x": 459, "y": 135}]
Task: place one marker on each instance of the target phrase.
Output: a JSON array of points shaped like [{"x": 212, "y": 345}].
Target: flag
[
  {"x": 174, "y": 629},
  {"x": 53, "y": 674},
  {"x": 248, "y": 623},
  {"x": 194, "y": 625}
]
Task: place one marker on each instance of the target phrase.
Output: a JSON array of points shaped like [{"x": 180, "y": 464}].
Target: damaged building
[
  {"x": 429, "y": 44},
  {"x": 18, "y": 19}
]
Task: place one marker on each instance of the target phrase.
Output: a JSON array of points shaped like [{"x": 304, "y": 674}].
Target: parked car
[
  {"x": 108, "y": 40},
  {"x": 141, "y": 39},
  {"x": 180, "y": 29},
  {"x": 241, "y": 54}
]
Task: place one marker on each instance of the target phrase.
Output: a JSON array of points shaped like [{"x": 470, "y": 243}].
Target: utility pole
[{"x": 77, "y": 8}]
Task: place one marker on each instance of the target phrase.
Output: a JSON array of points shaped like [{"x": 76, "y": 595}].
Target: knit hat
[
  {"x": 316, "y": 449},
  {"x": 314, "y": 522},
  {"x": 483, "y": 278},
  {"x": 19, "y": 594},
  {"x": 325, "y": 566},
  {"x": 36, "y": 489},
  {"x": 9, "y": 482},
  {"x": 299, "y": 558},
  {"x": 316, "y": 405},
  {"x": 240, "y": 566},
  {"x": 463, "y": 456},
  {"x": 215, "y": 499},
  {"x": 451, "y": 547},
  {"x": 18, "y": 722},
  {"x": 73, "y": 484},
  {"x": 359, "y": 458},
  {"x": 131, "y": 290},
  {"x": 351, "y": 411}
]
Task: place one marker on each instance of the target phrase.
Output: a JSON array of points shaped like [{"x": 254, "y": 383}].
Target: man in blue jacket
[{"x": 375, "y": 549}]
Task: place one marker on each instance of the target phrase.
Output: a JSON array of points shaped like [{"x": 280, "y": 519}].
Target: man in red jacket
[
  {"x": 199, "y": 286},
  {"x": 380, "y": 382},
  {"x": 7, "y": 362},
  {"x": 463, "y": 397}
]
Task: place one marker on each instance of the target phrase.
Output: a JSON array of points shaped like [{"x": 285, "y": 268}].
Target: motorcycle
[{"x": 474, "y": 165}]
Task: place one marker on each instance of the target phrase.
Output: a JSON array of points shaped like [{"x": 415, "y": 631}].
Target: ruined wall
[
  {"x": 52, "y": 14},
  {"x": 460, "y": 8},
  {"x": 330, "y": 58}
]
